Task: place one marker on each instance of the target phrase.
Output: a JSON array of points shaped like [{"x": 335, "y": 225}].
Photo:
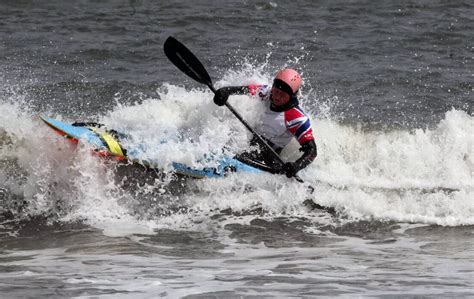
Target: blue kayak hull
[{"x": 106, "y": 144}]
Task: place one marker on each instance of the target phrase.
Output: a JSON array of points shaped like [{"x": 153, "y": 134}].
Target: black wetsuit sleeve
[
  {"x": 235, "y": 90},
  {"x": 309, "y": 154}
]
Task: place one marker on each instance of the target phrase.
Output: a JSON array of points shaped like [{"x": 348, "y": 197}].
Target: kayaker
[{"x": 283, "y": 119}]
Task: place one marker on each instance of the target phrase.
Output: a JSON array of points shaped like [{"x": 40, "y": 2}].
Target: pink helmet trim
[{"x": 291, "y": 77}]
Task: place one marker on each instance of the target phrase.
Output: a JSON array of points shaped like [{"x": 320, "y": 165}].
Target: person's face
[{"x": 279, "y": 97}]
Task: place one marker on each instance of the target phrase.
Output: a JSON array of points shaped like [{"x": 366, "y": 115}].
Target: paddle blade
[{"x": 185, "y": 60}]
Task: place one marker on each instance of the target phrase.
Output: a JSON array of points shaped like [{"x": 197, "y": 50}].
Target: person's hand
[
  {"x": 289, "y": 169},
  {"x": 221, "y": 96}
]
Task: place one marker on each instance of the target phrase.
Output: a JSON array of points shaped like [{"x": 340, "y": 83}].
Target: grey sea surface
[{"x": 388, "y": 86}]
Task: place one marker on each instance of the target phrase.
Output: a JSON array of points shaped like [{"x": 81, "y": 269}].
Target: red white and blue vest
[{"x": 280, "y": 127}]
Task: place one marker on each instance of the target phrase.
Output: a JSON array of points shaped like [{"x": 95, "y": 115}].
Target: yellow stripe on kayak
[{"x": 112, "y": 144}]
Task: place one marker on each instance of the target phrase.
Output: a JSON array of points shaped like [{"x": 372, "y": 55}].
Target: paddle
[{"x": 188, "y": 63}]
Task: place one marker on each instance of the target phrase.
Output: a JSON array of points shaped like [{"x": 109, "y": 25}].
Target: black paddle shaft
[{"x": 189, "y": 64}]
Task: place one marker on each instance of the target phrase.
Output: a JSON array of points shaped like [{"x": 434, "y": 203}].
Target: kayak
[{"x": 106, "y": 143}]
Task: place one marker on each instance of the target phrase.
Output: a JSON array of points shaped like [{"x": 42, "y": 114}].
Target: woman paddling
[{"x": 283, "y": 119}]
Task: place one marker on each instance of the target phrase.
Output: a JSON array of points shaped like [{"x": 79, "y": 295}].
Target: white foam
[{"x": 424, "y": 175}]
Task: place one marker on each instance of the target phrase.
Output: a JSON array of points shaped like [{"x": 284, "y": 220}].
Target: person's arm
[
  {"x": 300, "y": 126},
  {"x": 222, "y": 94},
  {"x": 310, "y": 152}
]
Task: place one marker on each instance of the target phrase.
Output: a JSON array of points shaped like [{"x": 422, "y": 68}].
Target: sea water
[{"x": 388, "y": 87}]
